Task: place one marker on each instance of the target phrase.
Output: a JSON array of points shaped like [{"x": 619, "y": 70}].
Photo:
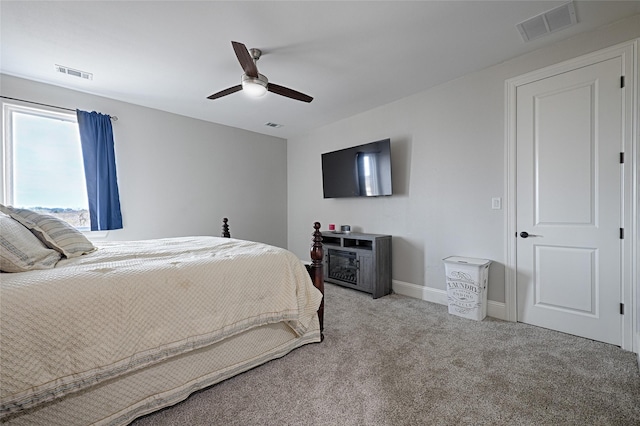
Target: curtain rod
[{"x": 113, "y": 117}]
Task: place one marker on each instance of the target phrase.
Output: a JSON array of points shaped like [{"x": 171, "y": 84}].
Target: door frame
[{"x": 628, "y": 51}]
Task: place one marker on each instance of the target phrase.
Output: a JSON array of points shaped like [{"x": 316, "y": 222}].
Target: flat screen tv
[{"x": 359, "y": 171}]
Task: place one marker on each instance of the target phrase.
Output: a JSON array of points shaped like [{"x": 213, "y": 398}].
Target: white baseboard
[
  {"x": 497, "y": 310},
  {"x": 637, "y": 348},
  {"x": 420, "y": 292},
  {"x": 434, "y": 295}
]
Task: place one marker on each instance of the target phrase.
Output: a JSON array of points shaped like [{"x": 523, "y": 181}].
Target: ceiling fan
[{"x": 254, "y": 83}]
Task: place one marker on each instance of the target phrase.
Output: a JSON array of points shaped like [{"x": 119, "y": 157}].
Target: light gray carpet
[{"x": 402, "y": 361}]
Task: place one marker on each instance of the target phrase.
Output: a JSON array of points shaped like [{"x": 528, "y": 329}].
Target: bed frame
[{"x": 315, "y": 267}]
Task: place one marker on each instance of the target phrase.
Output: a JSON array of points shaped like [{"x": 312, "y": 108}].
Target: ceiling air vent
[
  {"x": 274, "y": 125},
  {"x": 550, "y": 21},
  {"x": 74, "y": 73}
]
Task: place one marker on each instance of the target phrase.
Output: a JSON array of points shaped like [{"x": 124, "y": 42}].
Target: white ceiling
[{"x": 350, "y": 56}]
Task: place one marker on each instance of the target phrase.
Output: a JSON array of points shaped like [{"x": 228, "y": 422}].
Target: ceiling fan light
[{"x": 254, "y": 87}]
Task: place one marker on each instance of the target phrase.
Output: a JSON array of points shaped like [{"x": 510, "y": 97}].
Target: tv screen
[{"x": 359, "y": 171}]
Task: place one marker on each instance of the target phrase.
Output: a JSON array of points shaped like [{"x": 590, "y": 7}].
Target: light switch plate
[{"x": 496, "y": 203}]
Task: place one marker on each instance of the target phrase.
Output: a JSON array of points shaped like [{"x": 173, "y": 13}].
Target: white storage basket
[{"x": 467, "y": 280}]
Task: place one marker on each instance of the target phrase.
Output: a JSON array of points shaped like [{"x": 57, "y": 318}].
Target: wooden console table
[{"x": 359, "y": 261}]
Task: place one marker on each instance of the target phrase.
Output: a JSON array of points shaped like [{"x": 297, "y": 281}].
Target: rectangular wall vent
[
  {"x": 74, "y": 73},
  {"x": 548, "y": 22},
  {"x": 274, "y": 125}
]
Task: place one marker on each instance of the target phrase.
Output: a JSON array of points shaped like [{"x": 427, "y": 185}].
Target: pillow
[
  {"x": 53, "y": 232},
  {"x": 20, "y": 250}
]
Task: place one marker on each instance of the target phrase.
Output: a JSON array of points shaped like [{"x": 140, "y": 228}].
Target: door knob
[{"x": 525, "y": 234}]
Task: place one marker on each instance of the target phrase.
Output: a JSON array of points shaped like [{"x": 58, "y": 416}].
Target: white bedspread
[{"x": 132, "y": 304}]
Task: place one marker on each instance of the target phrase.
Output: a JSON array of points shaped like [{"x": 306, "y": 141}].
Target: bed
[{"x": 116, "y": 333}]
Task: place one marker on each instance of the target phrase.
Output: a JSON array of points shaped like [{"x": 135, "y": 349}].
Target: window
[{"x": 42, "y": 161}]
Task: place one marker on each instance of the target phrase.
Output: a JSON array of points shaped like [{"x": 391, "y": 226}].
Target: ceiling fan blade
[
  {"x": 289, "y": 93},
  {"x": 225, "y": 92},
  {"x": 245, "y": 59}
]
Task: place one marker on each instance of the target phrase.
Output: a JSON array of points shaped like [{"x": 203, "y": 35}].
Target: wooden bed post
[
  {"x": 316, "y": 270},
  {"x": 225, "y": 228}
]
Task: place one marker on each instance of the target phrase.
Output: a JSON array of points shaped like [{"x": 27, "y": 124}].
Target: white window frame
[{"x": 6, "y": 151}]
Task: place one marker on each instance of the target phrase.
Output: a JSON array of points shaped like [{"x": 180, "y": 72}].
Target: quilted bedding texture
[{"x": 133, "y": 304}]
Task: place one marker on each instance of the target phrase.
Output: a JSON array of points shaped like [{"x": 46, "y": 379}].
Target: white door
[{"x": 569, "y": 130}]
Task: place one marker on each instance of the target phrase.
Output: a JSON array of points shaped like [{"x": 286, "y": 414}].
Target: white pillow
[
  {"x": 20, "y": 250},
  {"x": 53, "y": 232}
]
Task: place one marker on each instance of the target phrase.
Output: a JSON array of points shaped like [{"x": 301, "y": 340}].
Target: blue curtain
[{"x": 99, "y": 159}]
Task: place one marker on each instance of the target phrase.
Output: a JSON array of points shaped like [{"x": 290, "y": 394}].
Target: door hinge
[
  {"x": 622, "y": 158},
  {"x": 622, "y": 233},
  {"x": 622, "y": 309},
  {"x": 621, "y": 81}
]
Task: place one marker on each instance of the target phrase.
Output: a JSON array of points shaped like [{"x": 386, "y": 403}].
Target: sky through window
[{"x": 47, "y": 163}]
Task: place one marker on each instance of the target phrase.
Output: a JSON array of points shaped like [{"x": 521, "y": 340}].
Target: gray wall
[
  {"x": 448, "y": 150},
  {"x": 179, "y": 176}
]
